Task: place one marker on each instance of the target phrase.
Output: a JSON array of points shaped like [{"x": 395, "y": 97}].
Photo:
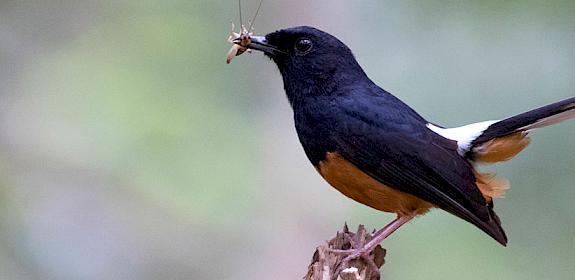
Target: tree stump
[{"x": 327, "y": 265}]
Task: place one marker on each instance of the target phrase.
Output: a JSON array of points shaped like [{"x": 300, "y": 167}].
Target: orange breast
[{"x": 357, "y": 185}]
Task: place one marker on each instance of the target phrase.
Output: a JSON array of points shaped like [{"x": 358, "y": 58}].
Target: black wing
[{"x": 397, "y": 149}]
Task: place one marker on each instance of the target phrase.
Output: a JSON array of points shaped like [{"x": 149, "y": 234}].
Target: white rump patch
[{"x": 464, "y": 135}]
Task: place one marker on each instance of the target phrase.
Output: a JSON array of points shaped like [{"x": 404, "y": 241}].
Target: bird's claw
[{"x": 352, "y": 254}]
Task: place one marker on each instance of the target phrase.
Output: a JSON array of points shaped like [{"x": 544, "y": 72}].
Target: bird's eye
[{"x": 303, "y": 46}]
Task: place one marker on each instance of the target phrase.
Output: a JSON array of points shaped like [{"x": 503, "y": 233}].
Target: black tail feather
[{"x": 543, "y": 116}]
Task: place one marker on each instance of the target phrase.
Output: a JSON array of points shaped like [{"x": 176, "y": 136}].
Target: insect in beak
[{"x": 240, "y": 42}]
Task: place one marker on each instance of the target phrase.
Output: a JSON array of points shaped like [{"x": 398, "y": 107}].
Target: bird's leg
[{"x": 377, "y": 238}]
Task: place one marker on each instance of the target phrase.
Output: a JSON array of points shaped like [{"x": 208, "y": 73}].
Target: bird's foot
[
  {"x": 364, "y": 250},
  {"x": 362, "y": 253}
]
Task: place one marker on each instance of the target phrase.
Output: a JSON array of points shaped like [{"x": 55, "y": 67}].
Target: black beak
[{"x": 261, "y": 44}]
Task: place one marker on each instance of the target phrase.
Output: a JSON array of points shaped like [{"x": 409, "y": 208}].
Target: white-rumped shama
[{"x": 378, "y": 151}]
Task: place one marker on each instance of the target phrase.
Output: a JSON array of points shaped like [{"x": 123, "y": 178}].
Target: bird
[{"x": 375, "y": 149}]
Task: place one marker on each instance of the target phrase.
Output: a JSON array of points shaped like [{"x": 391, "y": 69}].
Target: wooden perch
[{"x": 327, "y": 265}]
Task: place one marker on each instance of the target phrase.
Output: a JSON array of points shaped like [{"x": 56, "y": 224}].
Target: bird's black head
[{"x": 311, "y": 61}]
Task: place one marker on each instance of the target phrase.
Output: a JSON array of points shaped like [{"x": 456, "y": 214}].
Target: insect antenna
[
  {"x": 240, "y": 9},
  {"x": 255, "y": 15}
]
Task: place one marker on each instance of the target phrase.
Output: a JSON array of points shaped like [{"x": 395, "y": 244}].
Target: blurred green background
[{"x": 130, "y": 150}]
